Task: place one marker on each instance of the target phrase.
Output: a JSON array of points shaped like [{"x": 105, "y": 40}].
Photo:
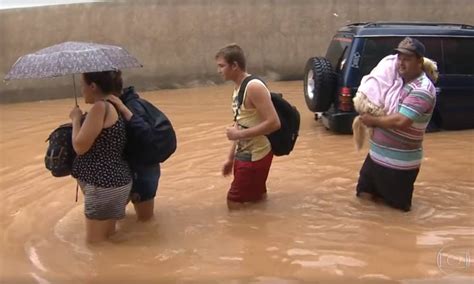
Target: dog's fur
[
  {"x": 363, "y": 105},
  {"x": 431, "y": 69}
]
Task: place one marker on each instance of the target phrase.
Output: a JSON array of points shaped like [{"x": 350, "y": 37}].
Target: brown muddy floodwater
[{"x": 312, "y": 229}]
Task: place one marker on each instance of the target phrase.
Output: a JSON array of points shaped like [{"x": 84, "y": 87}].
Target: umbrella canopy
[{"x": 71, "y": 58}]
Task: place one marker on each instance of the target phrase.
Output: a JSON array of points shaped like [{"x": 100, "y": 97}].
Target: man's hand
[
  {"x": 227, "y": 168},
  {"x": 368, "y": 120},
  {"x": 123, "y": 109},
  {"x": 233, "y": 133},
  {"x": 117, "y": 103}
]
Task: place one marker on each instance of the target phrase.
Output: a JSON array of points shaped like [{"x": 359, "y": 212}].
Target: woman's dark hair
[{"x": 107, "y": 81}]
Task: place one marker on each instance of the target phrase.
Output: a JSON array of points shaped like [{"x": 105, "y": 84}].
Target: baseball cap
[{"x": 411, "y": 46}]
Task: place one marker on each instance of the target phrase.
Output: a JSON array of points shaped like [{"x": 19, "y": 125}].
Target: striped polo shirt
[{"x": 402, "y": 148}]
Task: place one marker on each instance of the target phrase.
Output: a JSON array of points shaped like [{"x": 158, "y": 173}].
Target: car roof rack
[{"x": 381, "y": 23}]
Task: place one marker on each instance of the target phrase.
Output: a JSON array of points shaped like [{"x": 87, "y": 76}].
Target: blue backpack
[
  {"x": 145, "y": 147},
  {"x": 282, "y": 140}
]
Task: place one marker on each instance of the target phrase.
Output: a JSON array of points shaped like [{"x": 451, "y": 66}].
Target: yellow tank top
[{"x": 255, "y": 148}]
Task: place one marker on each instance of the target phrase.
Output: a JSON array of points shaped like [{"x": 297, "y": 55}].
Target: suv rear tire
[{"x": 319, "y": 84}]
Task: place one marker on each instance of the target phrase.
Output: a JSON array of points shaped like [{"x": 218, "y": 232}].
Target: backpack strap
[
  {"x": 106, "y": 109},
  {"x": 77, "y": 190},
  {"x": 242, "y": 88},
  {"x": 107, "y": 103}
]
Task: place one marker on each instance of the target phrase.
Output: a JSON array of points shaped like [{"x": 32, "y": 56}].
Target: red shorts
[{"x": 250, "y": 179}]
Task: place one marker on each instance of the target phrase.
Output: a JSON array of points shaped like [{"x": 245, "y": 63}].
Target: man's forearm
[
  {"x": 263, "y": 128},
  {"x": 232, "y": 151},
  {"x": 395, "y": 120}
]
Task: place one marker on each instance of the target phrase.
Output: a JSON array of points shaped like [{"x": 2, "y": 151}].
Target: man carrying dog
[
  {"x": 251, "y": 154},
  {"x": 392, "y": 165}
]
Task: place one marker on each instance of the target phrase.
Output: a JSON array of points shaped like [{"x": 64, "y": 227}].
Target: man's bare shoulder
[{"x": 256, "y": 87}]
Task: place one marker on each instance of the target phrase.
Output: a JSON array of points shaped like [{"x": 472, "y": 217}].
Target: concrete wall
[{"x": 176, "y": 39}]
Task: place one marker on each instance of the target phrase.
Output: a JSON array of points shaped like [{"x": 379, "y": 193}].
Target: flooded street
[{"x": 312, "y": 229}]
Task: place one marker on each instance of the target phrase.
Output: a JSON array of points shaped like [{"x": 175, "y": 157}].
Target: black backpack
[
  {"x": 60, "y": 153},
  {"x": 162, "y": 143},
  {"x": 282, "y": 140}
]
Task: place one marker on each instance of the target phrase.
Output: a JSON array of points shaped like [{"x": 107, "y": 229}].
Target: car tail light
[{"x": 345, "y": 99}]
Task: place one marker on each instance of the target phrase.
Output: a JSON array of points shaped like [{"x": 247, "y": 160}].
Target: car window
[
  {"x": 433, "y": 50},
  {"x": 458, "y": 55},
  {"x": 377, "y": 48},
  {"x": 374, "y": 50},
  {"x": 337, "y": 51}
]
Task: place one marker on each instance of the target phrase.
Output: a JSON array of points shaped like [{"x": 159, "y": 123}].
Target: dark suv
[{"x": 331, "y": 82}]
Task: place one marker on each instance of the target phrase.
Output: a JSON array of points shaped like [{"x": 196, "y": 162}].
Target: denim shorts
[{"x": 145, "y": 183}]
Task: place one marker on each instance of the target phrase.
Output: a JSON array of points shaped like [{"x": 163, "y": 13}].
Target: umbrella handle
[{"x": 75, "y": 93}]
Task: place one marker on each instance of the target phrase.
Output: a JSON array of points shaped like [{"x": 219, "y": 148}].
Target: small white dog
[{"x": 362, "y": 104}]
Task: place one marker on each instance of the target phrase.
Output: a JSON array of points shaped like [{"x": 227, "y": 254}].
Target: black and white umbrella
[{"x": 71, "y": 58}]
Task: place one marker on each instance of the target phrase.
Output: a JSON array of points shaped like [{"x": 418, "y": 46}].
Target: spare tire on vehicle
[{"x": 319, "y": 84}]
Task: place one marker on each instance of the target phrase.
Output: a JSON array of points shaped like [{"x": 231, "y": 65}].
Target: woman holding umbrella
[
  {"x": 100, "y": 168},
  {"x": 100, "y": 140}
]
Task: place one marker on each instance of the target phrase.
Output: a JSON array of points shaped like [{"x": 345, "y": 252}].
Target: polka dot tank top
[{"x": 104, "y": 164}]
